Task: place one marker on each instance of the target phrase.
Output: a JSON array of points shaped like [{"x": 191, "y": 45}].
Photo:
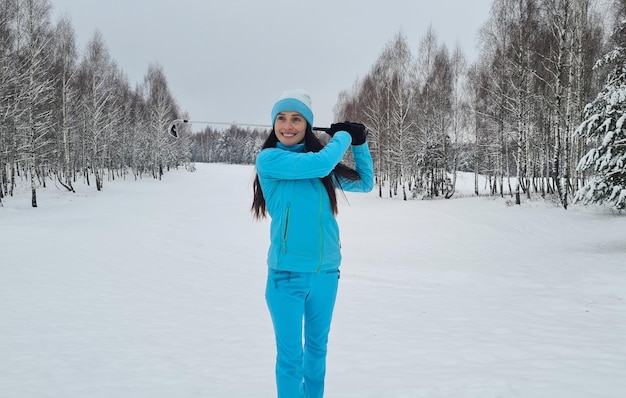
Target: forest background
[{"x": 539, "y": 114}]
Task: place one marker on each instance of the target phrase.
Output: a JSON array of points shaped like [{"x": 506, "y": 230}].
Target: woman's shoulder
[
  {"x": 268, "y": 158},
  {"x": 268, "y": 153}
]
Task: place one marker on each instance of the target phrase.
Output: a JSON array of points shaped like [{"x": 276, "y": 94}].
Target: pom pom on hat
[{"x": 294, "y": 101}]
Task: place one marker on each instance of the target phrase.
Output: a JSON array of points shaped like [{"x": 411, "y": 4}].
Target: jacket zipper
[
  {"x": 320, "y": 224},
  {"x": 285, "y": 232}
]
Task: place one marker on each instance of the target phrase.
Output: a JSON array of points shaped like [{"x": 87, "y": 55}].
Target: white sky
[{"x": 228, "y": 60}]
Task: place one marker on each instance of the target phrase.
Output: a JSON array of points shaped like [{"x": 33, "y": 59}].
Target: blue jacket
[{"x": 304, "y": 233}]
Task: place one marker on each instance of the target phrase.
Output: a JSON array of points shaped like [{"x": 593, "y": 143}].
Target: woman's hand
[{"x": 357, "y": 131}]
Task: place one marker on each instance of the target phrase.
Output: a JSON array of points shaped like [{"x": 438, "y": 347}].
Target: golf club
[{"x": 173, "y": 127}]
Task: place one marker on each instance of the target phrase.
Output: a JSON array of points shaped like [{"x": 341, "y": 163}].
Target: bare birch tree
[
  {"x": 8, "y": 81},
  {"x": 460, "y": 114},
  {"x": 161, "y": 109},
  {"x": 34, "y": 121},
  {"x": 65, "y": 57},
  {"x": 95, "y": 78}
]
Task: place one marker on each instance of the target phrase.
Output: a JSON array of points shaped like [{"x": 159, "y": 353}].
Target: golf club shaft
[{"x": 242, "y": 124}]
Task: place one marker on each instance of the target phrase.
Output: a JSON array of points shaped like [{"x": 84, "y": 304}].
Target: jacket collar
[{"x": 290, "y": 148}]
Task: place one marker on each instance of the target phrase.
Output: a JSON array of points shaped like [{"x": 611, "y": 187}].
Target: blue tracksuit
[{"x": 304, "y": 255}]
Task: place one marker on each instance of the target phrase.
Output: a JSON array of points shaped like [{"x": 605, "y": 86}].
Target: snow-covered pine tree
[{"x": 604, "y": 126}]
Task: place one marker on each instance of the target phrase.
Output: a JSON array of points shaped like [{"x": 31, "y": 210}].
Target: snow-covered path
[{"x": 155, "y": 289}]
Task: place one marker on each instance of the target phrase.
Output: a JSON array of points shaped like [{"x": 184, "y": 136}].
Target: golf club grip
[{"x": 324, "y": 129}]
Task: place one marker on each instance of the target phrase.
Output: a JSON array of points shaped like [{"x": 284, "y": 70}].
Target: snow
[{"x": 156, "y": 289}]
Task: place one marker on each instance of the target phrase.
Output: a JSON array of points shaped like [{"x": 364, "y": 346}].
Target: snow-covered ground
[{"x": 156, "y": 289}]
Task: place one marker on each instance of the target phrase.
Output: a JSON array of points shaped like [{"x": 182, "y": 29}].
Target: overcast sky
[{"x": 228, "y": 60}]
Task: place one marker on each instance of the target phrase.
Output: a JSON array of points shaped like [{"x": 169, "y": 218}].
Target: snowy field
[{"x": 156, "y": 290}]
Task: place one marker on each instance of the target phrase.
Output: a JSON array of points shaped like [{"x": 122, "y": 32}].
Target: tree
[
  {"x": 34, "y": 120},
  {"x": 501, "y": 78},
  {"x": 65, "y": 56},
  {"x": 398, "y": 78},
  {"x": 478, "y": 82},
  {"x": 604, "y": 127},
  {"x": 460, "y": 113},
  {"x": 436, "y": 95},
  {"x": 95, "y": 77},
  {"x": 8, "y": 81},
  {"x": 161, "y": 109}
]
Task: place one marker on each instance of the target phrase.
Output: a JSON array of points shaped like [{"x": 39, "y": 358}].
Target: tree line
[
  {"x": 65, "y": 117},
  {"x": 523, "y": 114},
  {"x": 512, "y": 116},
  {"x": 235, "y": 145}
]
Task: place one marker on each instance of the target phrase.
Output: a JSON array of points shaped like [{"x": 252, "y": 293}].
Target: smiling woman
[
  {"x": 290, "y": 128},
  {"x": 291, "y": 115},
  {"x": 296, "y": 181}
]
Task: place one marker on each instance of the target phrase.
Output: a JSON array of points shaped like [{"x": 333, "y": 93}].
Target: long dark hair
[{"x": 311, "y": 144}]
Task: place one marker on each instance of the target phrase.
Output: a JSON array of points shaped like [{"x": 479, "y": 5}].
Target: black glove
[
  {"x": 356, "y": 130},
  {"x": 337, "y": 127},
  {"x": 358, "y": 133}
]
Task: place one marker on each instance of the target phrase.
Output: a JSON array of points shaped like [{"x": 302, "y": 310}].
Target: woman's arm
[
  {"x": 282, "y": 164},
  {"x": 364, "y": 166}
]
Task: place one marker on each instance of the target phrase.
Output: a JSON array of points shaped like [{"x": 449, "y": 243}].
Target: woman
[{"x": 295, "y": 183}]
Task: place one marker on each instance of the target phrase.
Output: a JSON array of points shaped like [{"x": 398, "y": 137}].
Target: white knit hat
[{"x": 294, "y": 101}]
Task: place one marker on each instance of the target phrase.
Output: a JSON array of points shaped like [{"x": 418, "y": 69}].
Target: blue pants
[{"x": 294, "y": 298}]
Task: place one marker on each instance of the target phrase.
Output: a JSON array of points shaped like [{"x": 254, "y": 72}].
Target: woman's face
[{"x": 290, "y": 128}]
